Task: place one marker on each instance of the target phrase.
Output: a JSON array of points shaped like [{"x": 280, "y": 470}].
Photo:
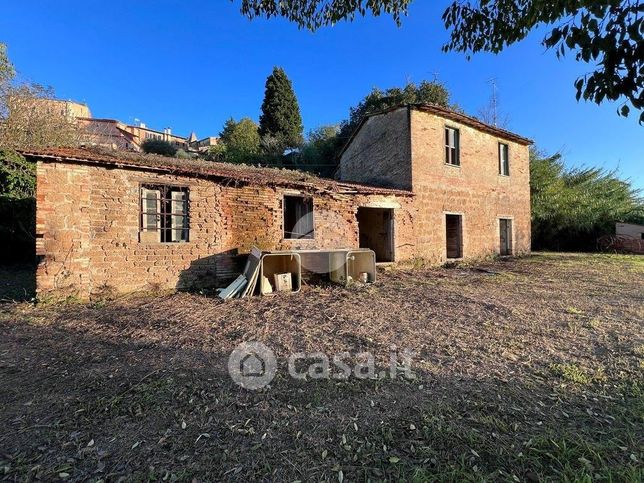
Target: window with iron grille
[
  {"x": 298, "y": 217},
  {"x": 452, "y": 148},
  {"x": 164, "y": 214},
  {"x": 504, "y": 160}
]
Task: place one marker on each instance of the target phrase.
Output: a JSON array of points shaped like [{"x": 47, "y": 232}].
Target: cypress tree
[{"x": 281, "y": 117}]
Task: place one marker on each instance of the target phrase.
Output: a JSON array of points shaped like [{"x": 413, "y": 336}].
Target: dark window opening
[
  {"x": 164, "y": 214},
  {"x": 504, "y": 160},
  {"x": 505, "y": 226},
  {"x": 454, "y": 236},
  {"x": 452, "y": 148},
  {"x": 298, "y": 217}
]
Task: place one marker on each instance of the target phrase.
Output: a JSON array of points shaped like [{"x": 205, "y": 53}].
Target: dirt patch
[{"x": 526, "y": 369}]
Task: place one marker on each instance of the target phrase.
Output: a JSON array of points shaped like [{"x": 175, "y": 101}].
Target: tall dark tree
[
  {"x": 281, "y": 117},
  {"x": 607, "y": 34}
]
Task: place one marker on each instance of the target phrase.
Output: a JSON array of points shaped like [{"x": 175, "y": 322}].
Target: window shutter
[
  {"x": 457, "y": 153},
  {"x": 150, "y": 213},
  {"x": 178, "y": 220}
]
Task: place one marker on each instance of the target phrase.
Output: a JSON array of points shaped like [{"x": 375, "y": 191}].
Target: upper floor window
[
  {"x": 164, "y": 214},
  {"x": 298, "y": 217},
  {"x": 452, "y": 150},
  {"x": 504, "y": 160}
]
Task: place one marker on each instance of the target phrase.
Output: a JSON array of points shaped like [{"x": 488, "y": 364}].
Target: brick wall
[
  {"x": 379, "y": 153},
  {"x": 88, "y": 229}
]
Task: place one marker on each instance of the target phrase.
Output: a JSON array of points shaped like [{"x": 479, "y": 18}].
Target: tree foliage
[
  {"x": 571, "y": 208},
  {"x": 605, "y": 33},
  {"x": 427, "y": 92},
  {"x": 608, "y": 34},
  {"x": 313, "y": 14},
  {"x": 7, "y": 71},
  {"x": 239, "y": 142},
  {"x": 29, "y": 117},
  {"x": 319, "y": 151},
  {"x": 280, "y": 116},
  {"x": 17, "y": 176},
  {"x": 158, "y": 146},
  {"x": 17, "y": 207}
]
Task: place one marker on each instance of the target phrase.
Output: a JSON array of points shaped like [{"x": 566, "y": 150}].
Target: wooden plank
[
  {"x": 251, "y": 272},
  {"x": 233, "y": 288}
]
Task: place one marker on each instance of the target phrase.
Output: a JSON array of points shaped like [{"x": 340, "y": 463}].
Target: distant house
[
  {"x": 60, "y": 107},
  {"x": 112, "y": 133},
  {"x": 631, "y": 230},
  {"x": 117, "y": 135},
  {"x": 414, "y": 182},
  {"x": 629, "y": 237}
]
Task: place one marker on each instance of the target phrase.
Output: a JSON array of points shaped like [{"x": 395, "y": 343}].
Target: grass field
[{"x": 526, "y": 370}]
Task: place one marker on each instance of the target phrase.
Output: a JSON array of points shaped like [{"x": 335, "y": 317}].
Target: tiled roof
[{"x": 208, "y": 169}]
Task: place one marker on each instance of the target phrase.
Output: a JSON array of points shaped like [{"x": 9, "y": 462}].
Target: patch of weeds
[
  {"x": 574, "y": 310},
  {"x": 580, "y": 459},
  {"x": 639, "y": 350},
  {"x": 593, "y": 324},
  {"x": 572, "y": 373}
]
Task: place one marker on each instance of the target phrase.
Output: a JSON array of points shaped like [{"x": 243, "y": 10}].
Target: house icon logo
[{"x": 252, "y": 365}]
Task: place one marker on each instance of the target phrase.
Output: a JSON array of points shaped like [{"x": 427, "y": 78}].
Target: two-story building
[
  {"x": 470, "y": 180},
  {"x": 415, "y": 182}
]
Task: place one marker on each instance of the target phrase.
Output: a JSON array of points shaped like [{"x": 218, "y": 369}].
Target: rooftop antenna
[{"x": 494, "y": 102}]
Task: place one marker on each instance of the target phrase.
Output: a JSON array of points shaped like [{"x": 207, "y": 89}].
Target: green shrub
[
  {"x": 158, "y": 146},
  {"x": 572, "y": 208}
]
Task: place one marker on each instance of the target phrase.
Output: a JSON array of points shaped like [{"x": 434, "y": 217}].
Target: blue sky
[{"x": 191, "y": 65}]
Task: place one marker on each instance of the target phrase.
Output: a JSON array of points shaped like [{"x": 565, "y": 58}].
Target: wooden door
[{"x": 505, "y": 226}]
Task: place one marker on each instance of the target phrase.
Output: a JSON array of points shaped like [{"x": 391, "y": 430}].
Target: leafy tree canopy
[
  {"x": 571, "y": 208},
  {"x": 17, "y": 176},
  {"x": 426, "y": 92},
  {"x": 158, "y": 146},
  {"x": 280, "y": 116},
  {"x": 608, "y": 34},
  {"x": 319, "y": 151},
  {"x": 240, "y": 141}
]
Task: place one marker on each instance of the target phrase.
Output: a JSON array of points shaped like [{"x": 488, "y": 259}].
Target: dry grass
[{"x": 528, "y": 369}]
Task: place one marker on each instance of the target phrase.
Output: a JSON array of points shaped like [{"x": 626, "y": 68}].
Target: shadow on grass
[
  {"x": 17, "y": 282},
  {"x": 83, "y": 403}
]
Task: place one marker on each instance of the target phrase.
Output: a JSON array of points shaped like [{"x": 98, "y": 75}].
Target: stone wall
[
  {"x": 88, "y": 229},
  {"x": 380, "y": 151},
  {"x": 475, "y": 189}
]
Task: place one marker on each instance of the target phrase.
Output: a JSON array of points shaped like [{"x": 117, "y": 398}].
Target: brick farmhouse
[{"x": 413, "y": 182}]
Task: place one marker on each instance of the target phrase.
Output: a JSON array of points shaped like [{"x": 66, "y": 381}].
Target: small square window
[
  {"x": 504, "y": 160},
  {"x": 164, "y": 214},
  {"x": 452, "y": 148},
  {"x": 298, "y": 217}
]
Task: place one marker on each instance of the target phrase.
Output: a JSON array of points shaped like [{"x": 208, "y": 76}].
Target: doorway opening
[
  {"x": 376, "y": 232},
  {"x": 454, "y": 236},
  {"x": 505, "y": 225}
]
